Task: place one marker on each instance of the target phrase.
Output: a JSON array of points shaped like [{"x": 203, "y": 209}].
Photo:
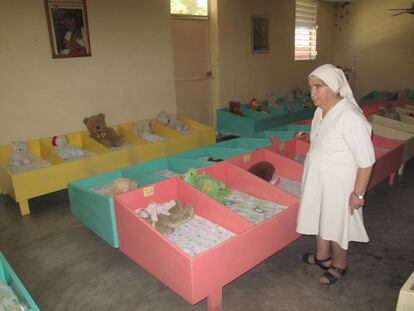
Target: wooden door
[{"x": 190, "y": 41}]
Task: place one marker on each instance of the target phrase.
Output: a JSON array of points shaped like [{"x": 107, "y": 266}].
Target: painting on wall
[
  {"x": 68, "y": 28},
  {"x": 260, "y": 34}
]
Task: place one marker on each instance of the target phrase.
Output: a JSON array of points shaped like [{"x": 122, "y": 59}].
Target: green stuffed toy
[{"x": 207, "y": 184}]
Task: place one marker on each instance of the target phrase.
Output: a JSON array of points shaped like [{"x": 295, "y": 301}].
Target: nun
[{"x": 337, "y": 170}]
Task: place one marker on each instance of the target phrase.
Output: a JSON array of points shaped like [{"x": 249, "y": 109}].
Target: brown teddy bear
[
  {"x": 234, "y": 108},
  {"x": 103, "y": 134}
]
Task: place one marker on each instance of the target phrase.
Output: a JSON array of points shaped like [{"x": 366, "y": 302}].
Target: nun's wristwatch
[{"x": 360, "y": 196}]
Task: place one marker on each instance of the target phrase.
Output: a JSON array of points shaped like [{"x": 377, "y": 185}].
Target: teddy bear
[
  {"x": 171, "y": 121},
  {"x": 20, "y": 154},
  {"x": 234, "y": 108},
  {"x": 117, "y": 186},
  {"x": 122, "y": 185},
  {"x": 263, "y": 169},
  {"x": 169, "y": 215},
  {"x": 103, "y": 134},
  {"x": 143, "y": 128},
  {"x": 207, "y": 184}
]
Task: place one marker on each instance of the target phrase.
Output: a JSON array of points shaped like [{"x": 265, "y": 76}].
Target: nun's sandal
[
  {"x": 333, "y": 278},
  {"x": 316, "y": 262}
]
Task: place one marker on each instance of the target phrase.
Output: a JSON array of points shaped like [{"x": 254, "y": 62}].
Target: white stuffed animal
[
  {"x": 143, "y": 128},
  {"x": 20, "y": 154},
  {"x": 65, "y": 151},
  {"x": 171, "y": 121},
  {"x": 59, "y": 141}
]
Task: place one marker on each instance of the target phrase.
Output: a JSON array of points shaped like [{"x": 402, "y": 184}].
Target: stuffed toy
[
  {"x": 20, "y": 154},
  {"x": 59, "y": 141},
  {"x": 65, "y": 151},
  {"x": 103, "y": 134},
  {"x": 407, "y": 93},
  {"x": 207, "y": 184},
  {"x": 168, "y": 221},
  {"x": 171, "y": 121},
  {"x": 255, "y": 105},
  {"x": 295, "y": 95},
  {"x": 389, "y": 112},
  {"x": 143, "y": 128},
  {"x": 263, "y": 169},
  {"x": 153, "y": 209},
  {"x": 9, "y": 300},
  {"x": 296, "y": 100},
  {"x": 272, "y": 102},
  {"x": 234, "y": 108},
  {"x": 118, "y": 186}
]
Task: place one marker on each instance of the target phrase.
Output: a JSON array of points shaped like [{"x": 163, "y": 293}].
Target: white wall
[
  {"x": 244, "y": 75},
  {"x": 129, "y": 75},
  {"x": 383, "y": 45}
]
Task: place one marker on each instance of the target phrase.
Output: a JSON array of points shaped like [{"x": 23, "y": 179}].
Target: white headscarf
[{"x": 335, "y": 79}]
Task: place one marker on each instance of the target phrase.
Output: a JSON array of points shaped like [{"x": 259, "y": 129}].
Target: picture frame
[
  {"x": 260, "y": 34},
  {"x": 67, "y": 21}
]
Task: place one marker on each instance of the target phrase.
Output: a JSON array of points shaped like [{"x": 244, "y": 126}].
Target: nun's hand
[{"x": 355, "y": 203}]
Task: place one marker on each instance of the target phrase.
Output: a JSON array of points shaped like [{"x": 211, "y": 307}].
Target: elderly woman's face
[{"x": 321, "y": 94}]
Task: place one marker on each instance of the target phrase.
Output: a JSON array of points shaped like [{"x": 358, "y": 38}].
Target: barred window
[{"x": 305, "y": 30}]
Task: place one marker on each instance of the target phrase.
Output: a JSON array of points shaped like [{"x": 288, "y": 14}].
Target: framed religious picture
[
  {"x": 68, "y": 28},
  {"x": 260, "y": 34}
]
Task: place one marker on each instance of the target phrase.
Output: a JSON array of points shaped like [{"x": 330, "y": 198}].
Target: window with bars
[{"x": 305, "y": 30}]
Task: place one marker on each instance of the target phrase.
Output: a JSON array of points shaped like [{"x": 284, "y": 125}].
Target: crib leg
[
  {"x": 401, "y": 170},
  {"x": 24, "y": 207},
  {"x": 214, "y": 300},
  {"x": 392, "y": 179}
]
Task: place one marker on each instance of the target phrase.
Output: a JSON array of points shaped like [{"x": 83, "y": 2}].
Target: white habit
[{"x": 340, "y": 143}]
